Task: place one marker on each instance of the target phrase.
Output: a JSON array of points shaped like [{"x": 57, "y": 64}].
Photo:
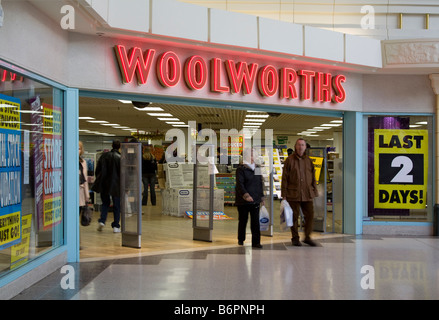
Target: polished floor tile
[{"x": 341, "y": 267}]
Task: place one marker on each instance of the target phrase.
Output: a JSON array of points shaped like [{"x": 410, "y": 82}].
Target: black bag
[{"x": 86, "y": 213}]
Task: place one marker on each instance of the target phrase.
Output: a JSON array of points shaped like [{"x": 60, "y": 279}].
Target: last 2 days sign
[{"x": 401, "y": 167}]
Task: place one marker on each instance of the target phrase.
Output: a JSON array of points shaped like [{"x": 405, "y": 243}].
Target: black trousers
[{"x": 243, "y": 211}]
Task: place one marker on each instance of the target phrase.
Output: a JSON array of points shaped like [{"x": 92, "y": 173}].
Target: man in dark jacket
[
  {"x": 107, "y": 183},
  {"x": 249, "y": 196},
  {"x": 299, "y": 188}
]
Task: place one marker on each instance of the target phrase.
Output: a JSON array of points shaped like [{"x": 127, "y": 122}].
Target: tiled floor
[{"x": 341, "y": 267}]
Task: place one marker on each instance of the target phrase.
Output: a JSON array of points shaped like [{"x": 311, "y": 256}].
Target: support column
[{"x": 434, "y": 78}]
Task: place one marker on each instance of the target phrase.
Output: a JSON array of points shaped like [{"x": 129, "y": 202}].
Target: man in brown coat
[{"x": 299, "y": 188}]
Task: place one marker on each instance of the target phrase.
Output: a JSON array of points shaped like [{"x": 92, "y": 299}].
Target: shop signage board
[
  {"x": 10, "y": 171},
  {"x": 401, "y": 168},
  {"x": 228, "y": 76}
]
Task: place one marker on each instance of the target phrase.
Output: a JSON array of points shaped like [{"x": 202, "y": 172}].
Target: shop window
[
  {"x": 399, "y": 168},
  {"x": 31, "y": 169}
]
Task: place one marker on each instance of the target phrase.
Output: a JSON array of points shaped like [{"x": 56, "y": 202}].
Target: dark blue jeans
[
  {"x": 148, "y": 179},
  {"x": 116, "y": 210}
]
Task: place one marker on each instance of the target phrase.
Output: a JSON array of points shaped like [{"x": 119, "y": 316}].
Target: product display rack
[{"x": 227, "y": 181}]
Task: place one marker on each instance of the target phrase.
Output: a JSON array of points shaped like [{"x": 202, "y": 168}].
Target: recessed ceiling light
[
  {"x": 160, "y": 114},
  {"x": 85, "y": 118},
  {"x": 336, "y": 121},
  {"x": 97, "y": 121},
  {"x": 256, "y": 120},
  {"x": 110, "y": 124},
  {"x": 181, "y": 125},
  {"x": 125, "y": 101},
  {"x": 415, "y": 125},
  {"x": 175, "y": 122},
  {"x": 149, "y": 109},
  {"x": 422, "y": 122},
  {"x": 257, "y": 116},
  {"x": 169, "y": 119},
  {"x": 330, "y": 125}
]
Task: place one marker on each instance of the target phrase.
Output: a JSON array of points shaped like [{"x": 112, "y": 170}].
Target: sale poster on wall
[
  {"x": 10, "y": 171},
  {"x": 401, "y": 168},
  {"x": 47, "y": 141}
]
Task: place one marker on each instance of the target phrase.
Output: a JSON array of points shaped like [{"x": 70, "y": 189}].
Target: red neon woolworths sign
[{"x": 197, "y": 73}]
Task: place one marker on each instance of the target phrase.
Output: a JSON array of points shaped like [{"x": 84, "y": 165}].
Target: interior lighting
[
  {"x": 330, "y": 125},
  {"x": 85, "y": 118},
  {"x": 336, "y": 121},
  {"x": 149, "y": 109},
  {"x": 97, "y": 121},
  {"x": 160, "y": 114},
  {"x": 125, "y": 101},
  {"x": 256, "y": 120},
  {"x": 175, "y": 122},
  {"x": 422, "y": 122},
  {"x": 257, "y": 115},
  {"x": 169, "y": 119}
]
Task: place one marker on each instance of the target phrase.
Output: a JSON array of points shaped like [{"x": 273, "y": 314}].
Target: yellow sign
[
  {"x": 401, "y": 169},
  {"x": 20, "y": 252},
  {"x": 10, "y": 228},
  {"x": 318, "y": 162},
  {"x": 9, "y": 115},
  {"x": 52, "y": 211}
]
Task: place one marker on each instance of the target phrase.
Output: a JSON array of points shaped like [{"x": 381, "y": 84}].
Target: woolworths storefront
[{"x": 387, "y": 140}]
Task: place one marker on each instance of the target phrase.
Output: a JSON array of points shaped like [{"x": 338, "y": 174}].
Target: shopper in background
[
  {"x": 149, "y": 177},
  {"x": 299, "y": 188},
  {"x": 249, "y": 197},
  {"x": 108, "y": 185},
  {"x": 84, "y": 195}
]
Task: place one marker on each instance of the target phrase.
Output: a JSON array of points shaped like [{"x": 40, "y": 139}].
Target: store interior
[{"x": 103, "y": 120}]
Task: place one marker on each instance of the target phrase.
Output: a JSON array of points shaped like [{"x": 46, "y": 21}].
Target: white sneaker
[
  {"x": 116, "y": 230},
  {"x": 101, "y": 226}
]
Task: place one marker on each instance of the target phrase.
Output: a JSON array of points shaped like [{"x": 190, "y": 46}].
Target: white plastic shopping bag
[
  {"x": 286, "y": 216},
  {"x": 264, "y": 219}
]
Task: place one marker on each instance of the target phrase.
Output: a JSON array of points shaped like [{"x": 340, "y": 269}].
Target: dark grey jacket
[
  {"x": 108, "y": 174},
  {"x": 248, "y": 182}
]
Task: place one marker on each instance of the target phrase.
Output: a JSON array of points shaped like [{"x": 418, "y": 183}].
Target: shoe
[
  {"x": 116, "y": 230},
  {"x": 296, "y": 242},
  {"x": 241, "y": 243},
  {"x": 310, "y": 242},
  {"x": 257, "y": 246},
  {"x": 101, "y": 226}
]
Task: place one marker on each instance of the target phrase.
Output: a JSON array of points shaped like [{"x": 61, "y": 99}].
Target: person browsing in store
[
  {"x": 107, "y": 183},
  {"x": 149, "y": 177},
  {"x": 249, "y": 197},
  {"x": 299, "y": 188}
]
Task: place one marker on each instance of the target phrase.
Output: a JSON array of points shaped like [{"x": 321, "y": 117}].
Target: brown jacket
[{"x": 298, "y": 179}]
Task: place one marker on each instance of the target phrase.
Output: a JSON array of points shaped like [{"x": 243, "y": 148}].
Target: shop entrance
[{"x": 167, "y": 220}]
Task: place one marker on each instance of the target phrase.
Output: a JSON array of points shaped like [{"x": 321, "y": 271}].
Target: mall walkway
[{"x": 340, "y": 267}]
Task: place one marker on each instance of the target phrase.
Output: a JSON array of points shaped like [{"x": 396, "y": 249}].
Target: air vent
[{"x": 207, "y": 115}]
